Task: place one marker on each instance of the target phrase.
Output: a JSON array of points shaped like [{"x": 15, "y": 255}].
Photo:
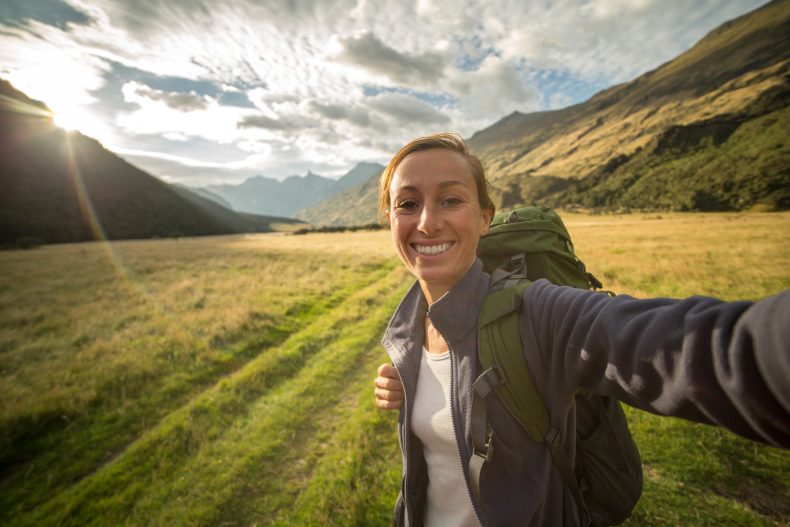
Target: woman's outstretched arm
[{"x": 723, "y": 363}]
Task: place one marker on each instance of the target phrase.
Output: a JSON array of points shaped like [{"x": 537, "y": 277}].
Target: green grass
[{"x": 228, "y": 381}]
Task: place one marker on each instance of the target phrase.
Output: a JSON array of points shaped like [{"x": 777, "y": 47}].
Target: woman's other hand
[{"x": 389, "y": 389}]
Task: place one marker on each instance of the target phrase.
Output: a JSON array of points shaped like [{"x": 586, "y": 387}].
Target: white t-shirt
[{"x": 448, "y": 503}]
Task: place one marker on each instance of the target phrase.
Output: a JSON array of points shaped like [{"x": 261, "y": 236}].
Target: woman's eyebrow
[{"x": 442, "y": 185}]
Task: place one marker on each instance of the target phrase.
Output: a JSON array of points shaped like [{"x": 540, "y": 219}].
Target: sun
[
  {"x": 70, "y": 119},
  {"x": 74, "y": 118}
]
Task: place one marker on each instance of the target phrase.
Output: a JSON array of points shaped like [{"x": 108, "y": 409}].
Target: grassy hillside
[
  {"x": 705, "y": 131},
  {"x": 228, "y": 380},
  {"x": 59, "y": 187},
  {"x": 719, "y": 164},
  {"x": 357, "y": 205}
]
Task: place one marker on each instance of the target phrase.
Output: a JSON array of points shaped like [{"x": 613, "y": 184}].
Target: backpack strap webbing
[{"x": 506, "y": 372}]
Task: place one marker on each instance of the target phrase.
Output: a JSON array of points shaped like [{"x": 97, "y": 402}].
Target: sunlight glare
[
  {"x": 68, "y": 120},
  {"x": 75, "y": 118}
]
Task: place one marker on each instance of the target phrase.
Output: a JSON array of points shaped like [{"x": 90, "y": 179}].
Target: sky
[{"x": 204, "y": 92}]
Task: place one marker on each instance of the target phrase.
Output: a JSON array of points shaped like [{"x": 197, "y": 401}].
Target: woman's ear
[
  {"x": 486, "y": 215},
  {"x": 387, "y": 214}
]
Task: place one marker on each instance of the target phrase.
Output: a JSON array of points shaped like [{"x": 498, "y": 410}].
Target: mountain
[
  {"x": 709, "y": 130},
  {"x": 65, "y": 187},
  {"x": 356, "y": 205},
  {"x": 357, "y": 176},
  {"x": 216, "y": 198},
  {"x": 354, "y": 201},
  {"x": 265, "y": 195},
  {"x": 238, "y": 222}
]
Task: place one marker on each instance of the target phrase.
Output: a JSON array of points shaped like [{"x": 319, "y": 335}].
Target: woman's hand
[{"x": 389, "y": 389}]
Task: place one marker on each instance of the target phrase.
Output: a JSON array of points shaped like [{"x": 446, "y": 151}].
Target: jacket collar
[{"x": 454, "y": 314}]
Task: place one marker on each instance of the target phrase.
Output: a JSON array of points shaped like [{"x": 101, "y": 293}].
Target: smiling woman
[{"x": 709, "y": 361}]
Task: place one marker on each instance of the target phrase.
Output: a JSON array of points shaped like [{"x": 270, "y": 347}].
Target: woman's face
[{"x": 435, "y": 218}]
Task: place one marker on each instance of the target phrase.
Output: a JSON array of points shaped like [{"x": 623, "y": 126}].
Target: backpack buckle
[
  {"x": 552, "y": 437},
  {"x": 488, "y": 380},
  {"x": 489, "y": 446}
]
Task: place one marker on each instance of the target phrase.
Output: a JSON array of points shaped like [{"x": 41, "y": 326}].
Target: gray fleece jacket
[{"x": 699, "y": 358}]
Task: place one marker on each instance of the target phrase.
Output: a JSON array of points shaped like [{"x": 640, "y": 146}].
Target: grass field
[{"x": 228, "y": 380}]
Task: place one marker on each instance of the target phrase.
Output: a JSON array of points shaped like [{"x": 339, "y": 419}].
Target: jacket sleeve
[{"x": 722, "y": 363}]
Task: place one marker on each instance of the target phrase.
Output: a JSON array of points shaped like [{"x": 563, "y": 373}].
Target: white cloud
[
  {"x": 252, "y": 161},
  {"x": 495, "y": 88},
  {"x": 405, "y": 110},
  {"x": 333, "y": 82},
  {"x": 180, "y": 101},
  {"x": 156, "y": 115},
  {"x": 368, "y": 52},
  {"x": 602, "y": 9}
]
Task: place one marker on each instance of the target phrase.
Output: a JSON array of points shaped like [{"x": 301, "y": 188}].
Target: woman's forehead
[{"x": 432, "y": 168}]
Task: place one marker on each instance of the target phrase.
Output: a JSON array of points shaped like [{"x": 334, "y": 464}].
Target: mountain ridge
[
  {"x": 60, "y": 186},
  {"x": 295, "y": 193},
  {"x": 707, "y": 130}
]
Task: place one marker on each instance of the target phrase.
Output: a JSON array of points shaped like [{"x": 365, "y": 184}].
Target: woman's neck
[
  {"x": 433, "y": 291},
  {"x": 434, "y": 341}
]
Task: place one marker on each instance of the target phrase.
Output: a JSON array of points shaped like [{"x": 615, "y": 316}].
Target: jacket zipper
[
  {"x": 464, "y": 466},
  {"x": 404, "y": 439}
]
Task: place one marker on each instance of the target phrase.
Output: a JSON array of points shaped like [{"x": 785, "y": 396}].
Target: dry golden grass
[
  {"x": 727, "y": 255},
  {"x": 79, "y": 317}
]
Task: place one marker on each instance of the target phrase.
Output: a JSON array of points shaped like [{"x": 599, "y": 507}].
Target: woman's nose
[{"x": 430, "y": 220}]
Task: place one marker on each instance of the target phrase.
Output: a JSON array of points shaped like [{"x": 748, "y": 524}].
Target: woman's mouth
[{"x": 431, "y": 250}]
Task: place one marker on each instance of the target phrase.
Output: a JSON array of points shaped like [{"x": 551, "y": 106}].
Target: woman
[{"x": 690, "y": 358}]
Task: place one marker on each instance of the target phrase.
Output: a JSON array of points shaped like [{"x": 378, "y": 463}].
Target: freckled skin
[{"x": 433, "y": 201}]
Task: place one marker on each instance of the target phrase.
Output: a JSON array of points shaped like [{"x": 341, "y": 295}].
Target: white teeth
[{"x": 430, "y": 250}]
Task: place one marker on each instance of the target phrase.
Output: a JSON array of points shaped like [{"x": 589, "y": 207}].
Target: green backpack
[{"x": 521, "y": 246}]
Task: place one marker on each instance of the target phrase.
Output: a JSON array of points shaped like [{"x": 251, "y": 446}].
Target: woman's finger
[
  {"x": 388, "y": 383},
  {"x": 388, "y": 405},
  {"x": 388, "y": 395}
]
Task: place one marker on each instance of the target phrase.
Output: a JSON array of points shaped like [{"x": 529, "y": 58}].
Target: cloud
[
  {"x": 295, "y": 122},
  {"x": 157, "y": 113},
  {"x": 367, "y": 51},
  {"x": 324, "y": 84},
  {"x": 406, "y": 110},
  {"x": 252, "y": 161},
  {"x": 355, "y": 115},
  {"x": 602, "y": 9},
  {"x": 604, "y": 41},
  {"x": 47, "y": 64},
  {"x": 183, "y": 102},
  {"x": 497, "y": 87}
]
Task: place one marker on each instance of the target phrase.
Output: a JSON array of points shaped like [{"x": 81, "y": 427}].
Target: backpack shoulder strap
[
  {"x": 505, "y": 371},
  {"x": 499, "y": 344}
]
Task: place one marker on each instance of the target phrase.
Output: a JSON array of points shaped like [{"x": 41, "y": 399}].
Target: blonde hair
[{"x": 445, "y": 141}]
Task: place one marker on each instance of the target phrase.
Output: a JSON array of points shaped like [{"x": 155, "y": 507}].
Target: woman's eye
[
  {"x": 452, "y": 202},
  {"x": 407, "y": 205}
]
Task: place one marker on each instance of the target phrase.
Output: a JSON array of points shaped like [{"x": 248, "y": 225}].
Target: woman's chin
[{"x": 436, "y": 277}]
